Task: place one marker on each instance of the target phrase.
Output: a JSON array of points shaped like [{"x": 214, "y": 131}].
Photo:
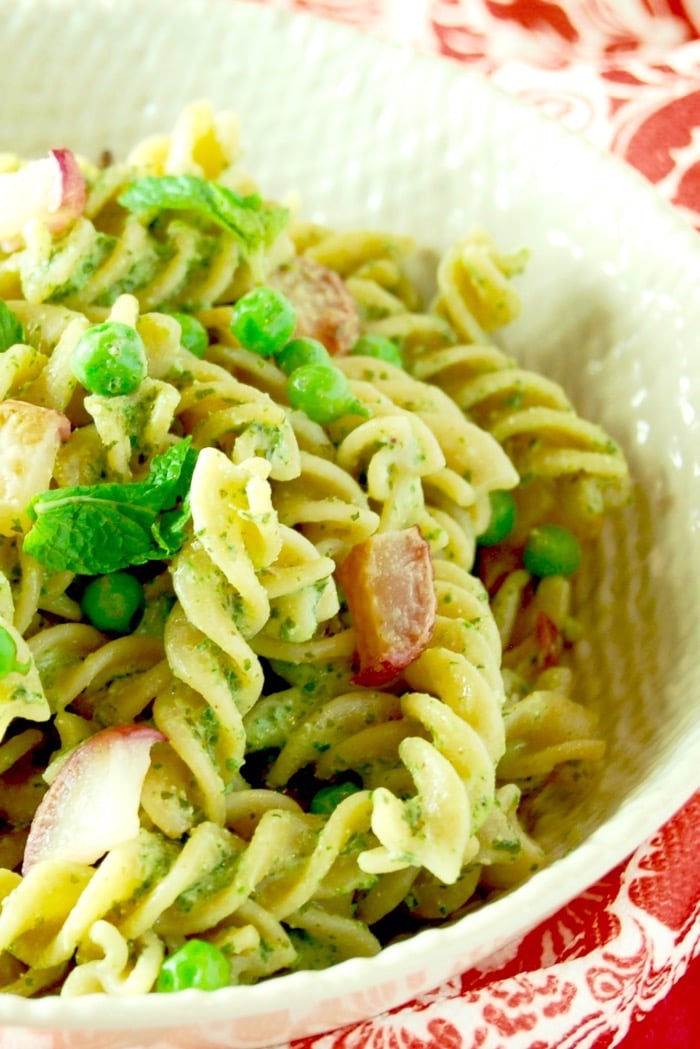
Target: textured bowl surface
[{"x": 377, "y": 136}]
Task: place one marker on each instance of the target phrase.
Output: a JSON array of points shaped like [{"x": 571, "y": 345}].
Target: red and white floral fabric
[{"x": 626, "y": 75}]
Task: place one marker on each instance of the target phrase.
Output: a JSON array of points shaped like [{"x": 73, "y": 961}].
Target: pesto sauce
[
  {"x": 313, "y": 954},
  {"x": 103, "y": 247},
  {"x": 213, "y": 881},
  {"x": 139, "y": 274}
]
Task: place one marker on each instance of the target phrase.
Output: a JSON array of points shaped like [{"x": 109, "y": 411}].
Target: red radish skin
[
  {"x": 93, "y": 804},
  {"x": 51, "y": 190}
]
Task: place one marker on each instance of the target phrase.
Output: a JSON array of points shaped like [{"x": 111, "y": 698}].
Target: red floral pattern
[{"x": 624, "y": 73}]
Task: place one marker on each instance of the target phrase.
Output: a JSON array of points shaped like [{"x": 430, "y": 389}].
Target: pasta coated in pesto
[{"x": 232, "y": 511}]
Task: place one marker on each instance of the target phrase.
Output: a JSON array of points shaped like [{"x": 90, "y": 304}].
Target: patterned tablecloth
[{"x": 626, "y": 75}]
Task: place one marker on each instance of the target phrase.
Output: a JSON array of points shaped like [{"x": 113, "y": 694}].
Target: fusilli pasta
[{"x": 297, "y": 808}]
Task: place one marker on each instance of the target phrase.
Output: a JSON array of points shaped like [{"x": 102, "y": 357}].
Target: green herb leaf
[
  {"x": 169, "y": 531},
  {"x": 254, "y": 224},
  {"x": 11, "y": 329},
  {"x": 171, "y": 473},
  {"x": 98, "y": 529}
]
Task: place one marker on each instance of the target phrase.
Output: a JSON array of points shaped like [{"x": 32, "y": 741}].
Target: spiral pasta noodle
[
  {"x": 570, "y": 463},
  {"x": 334, "y": 711},
  {"x": 182, "y": 262},
  {"x": 565, "y": 460}
]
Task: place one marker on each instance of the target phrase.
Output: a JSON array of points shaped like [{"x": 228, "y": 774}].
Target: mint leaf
[
  {"x": 254, "y": 224},
  {"x": 176, "y": 464},
  {"x": 95, "y": 529},
  {"x": 11, "y": 329},
  {"x": 90, "y": 537},
  {"x": 170, "y": 474},
  {"x": 169, "y": 531}
]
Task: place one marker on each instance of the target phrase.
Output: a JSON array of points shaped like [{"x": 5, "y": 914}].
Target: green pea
[
  {"x": 197, "y": 964},
  {"x": 551, "y": 550},
  {"x": 193, "y": 334},
  {"x": 110, "y": 602},
  {"x": 328, "y": 798},
  {"x": 8, "y": 655},
  {"x": 373, "y": 345},
  {"x": 302, "y": 351},
  {"x": 263, "y": 320},
  {"x": 110, "y": 359},
  {"x": 501, "y": 521},
  {"x": 11, "y": 330},
  {"x": 323, "y": 393}
]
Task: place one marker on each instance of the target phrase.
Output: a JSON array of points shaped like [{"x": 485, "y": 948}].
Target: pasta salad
[{"x": 286, "y": 557}]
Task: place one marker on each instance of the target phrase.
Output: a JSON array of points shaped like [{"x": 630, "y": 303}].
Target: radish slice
[
  {"x": 30, "y": 436},
  {"x": 51, "y": 190},
  {"x": 93, "y": 804}
]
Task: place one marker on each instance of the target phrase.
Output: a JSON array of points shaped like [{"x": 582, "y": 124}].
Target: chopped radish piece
[
  {"x": 51, "y": 190},
  {"x": 30, "y": 436},
  {"x": 93, "y": 804},
  {"x": 388, "y": 583}
]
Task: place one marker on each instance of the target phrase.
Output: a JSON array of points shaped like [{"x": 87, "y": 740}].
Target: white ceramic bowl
[{"x": 379, "y": 136}]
